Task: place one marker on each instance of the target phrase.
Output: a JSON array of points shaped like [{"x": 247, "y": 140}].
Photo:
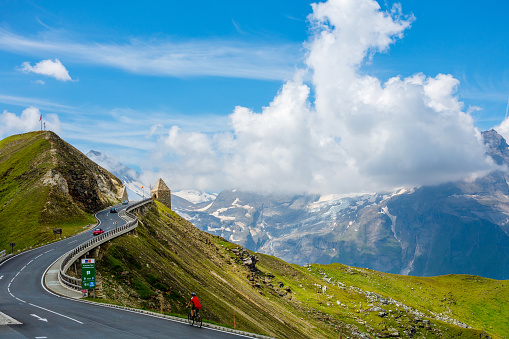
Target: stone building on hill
[{"x": 161, "y": 193}]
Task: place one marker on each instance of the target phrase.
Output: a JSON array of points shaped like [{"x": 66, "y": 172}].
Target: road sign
[
  {"x": 88, "y": 274},
  {"x": 57, "y": 231}
]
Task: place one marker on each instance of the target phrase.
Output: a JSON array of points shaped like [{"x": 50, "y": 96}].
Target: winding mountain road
[{"x": 46, "y": 315}]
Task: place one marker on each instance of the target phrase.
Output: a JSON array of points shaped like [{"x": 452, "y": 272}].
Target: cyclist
[{"x": 194, "y": 303}]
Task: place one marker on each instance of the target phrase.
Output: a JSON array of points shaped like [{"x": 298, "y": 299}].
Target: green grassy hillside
[
  {"x": 46, "y": 183},
  {"x": 169, "y": 258}
]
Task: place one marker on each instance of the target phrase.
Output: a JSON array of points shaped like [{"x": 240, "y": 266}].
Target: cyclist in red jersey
[{"x": 194, "y": 303}]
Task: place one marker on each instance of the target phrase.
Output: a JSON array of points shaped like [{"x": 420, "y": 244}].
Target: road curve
[{"x": 45, "y": 315}]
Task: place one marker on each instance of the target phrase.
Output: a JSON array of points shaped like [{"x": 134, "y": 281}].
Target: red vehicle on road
[{"x": 98, "y": 231}]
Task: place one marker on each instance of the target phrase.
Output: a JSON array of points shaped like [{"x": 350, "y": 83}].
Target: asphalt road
[{"x": 45, "y": 315}]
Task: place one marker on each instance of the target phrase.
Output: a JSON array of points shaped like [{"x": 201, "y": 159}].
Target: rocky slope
[
  {"x": 46, "y": 183},
  {"x": 460, "y": 227}
]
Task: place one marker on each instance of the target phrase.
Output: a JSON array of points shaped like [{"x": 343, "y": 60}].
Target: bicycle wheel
[
  {"x": 198, "y": 320},
  {"x": 190, "y": 319}
]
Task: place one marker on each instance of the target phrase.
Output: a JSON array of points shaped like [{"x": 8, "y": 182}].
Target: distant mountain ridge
[
  {"x": 460, "y": 227},
  {"x": 130, "y": 178}
]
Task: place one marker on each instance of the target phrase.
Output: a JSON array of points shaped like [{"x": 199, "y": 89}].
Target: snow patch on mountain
[{"x": 195, "y": 196}]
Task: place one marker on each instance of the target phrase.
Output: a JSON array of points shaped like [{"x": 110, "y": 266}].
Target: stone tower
[
  {"x": 161, "y": 193},
  {"x": 123, "y": 194}
]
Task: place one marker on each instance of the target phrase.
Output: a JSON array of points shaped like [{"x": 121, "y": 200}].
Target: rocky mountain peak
[{"x": 497, "y": 146}]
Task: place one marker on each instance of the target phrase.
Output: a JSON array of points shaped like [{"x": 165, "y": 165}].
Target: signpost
[
  {"x": 57, "y": 231},
  {"x": 88, "y": 274},
  {"x": 12, "y": 244}
]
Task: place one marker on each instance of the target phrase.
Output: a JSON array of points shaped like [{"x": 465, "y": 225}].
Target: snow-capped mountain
[
  {"x": 460, "y": 227},
  {"x": 129, "y": 177}
]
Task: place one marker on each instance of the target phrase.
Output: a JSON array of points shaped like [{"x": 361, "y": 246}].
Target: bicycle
[{"x": 194, "y": 320}]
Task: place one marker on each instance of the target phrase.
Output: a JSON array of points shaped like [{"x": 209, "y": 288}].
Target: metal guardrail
[
  {"x": 2, "y": 254},
  {"x": 73, "y": 255}
]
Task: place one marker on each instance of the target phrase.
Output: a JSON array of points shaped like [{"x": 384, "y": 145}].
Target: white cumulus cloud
[
  {"x": 355, "y": 134},
  {"x": 27, "y": 121},
  {"x": 51, "y": 68}
]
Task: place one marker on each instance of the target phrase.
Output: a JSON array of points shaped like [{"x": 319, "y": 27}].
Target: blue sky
[{"x": 136, "y": 71}]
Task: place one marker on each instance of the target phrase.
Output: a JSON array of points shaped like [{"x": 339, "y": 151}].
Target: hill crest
[{"x": 46, "y": 183}]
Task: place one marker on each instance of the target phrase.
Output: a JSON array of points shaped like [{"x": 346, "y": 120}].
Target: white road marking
[
  {"x": 38, "y": 255},
  {"x": 18, "y": 299},
  {"x": 42, "y": 308},
  {"x": 30, "y": 262},
  {"x": 72, "y": 241},
  {"x": 41, "y": 337},
  {"x": 49, "y": 250},
  {"x": 1, "y": 276},
  {"x": 41, "y": 319}
]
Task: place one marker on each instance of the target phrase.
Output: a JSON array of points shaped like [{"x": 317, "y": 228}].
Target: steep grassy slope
[
  {"x": 46, "y": 183},
  {"x": 169, "y": 258},
  {"x": 172, "y": 258}
]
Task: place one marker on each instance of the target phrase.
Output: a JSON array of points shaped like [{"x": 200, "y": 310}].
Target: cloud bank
[
  {"x": 27, "y": 121},
  {"x": 50, "y": 68},
  {"x": 355, "y": 135}
]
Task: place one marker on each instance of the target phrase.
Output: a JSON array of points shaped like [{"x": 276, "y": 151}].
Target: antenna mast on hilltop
[{"x": 40, "y": 119}]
